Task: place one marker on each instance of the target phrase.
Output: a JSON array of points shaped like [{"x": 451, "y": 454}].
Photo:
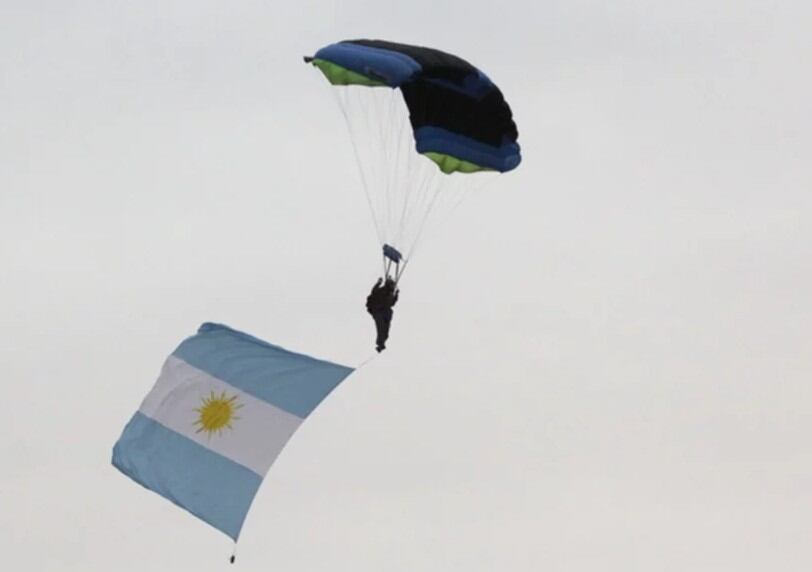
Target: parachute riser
[
  {"x": 392, "y": 267},
  {"x": 393, "y": 270},
  {"x": 400, "y": 270}
]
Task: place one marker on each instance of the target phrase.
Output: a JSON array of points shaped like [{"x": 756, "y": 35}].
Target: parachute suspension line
[
  {"x": 430, "y": 192},
  {"x": 387, "y": 146},
  {"x": 371, "y": 106},
  {"x": 409, "y": 206},
  {"x": 419, "y": 234},
  {"x": 373, "y": 102},
  {"x": 387, "y": 265},
  {"x": 461, "y": 196},
  {"x": 392, "y": 179},
  {"x": 389, "y": 274},
  {"x": 378, "y": 151},
  {"x": 400, "y": 270},
  {"x": 413, "y": 187},
  {"x": 405, "y": 150},
  {"x": 402, "y": 182},
  {"x": 401, "y": 186},
  {"x": 345, "y": 104},
  {"x": 379, "y": 110},
  {"x": 405, "y": 183},
  {"x": 416, "y": 211},
  {"x": 455, "y": 205},
  {"x": 388, "y": 135},
  {"x": 457, "y": 199},
  {"x": 399, "y": 196},
  {"x": 424, "y": 184},
  {"x": 343, "y": 107},
  {"x": 406, "y": 192}
]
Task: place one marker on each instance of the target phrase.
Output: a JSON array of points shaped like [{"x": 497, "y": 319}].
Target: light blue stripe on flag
[
  {"x": 298, "y": 382},
  {"x": 208, "y": 485}
]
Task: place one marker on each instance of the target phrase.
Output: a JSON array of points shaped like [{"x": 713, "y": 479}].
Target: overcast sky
[{"x": 601, "y": 362}]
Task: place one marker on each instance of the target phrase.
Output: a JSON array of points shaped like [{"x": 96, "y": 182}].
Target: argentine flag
[{"x": 221, "y": 411}]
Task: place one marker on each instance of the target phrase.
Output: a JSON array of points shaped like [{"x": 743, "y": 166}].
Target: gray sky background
[{"x": 602, "y": 361}]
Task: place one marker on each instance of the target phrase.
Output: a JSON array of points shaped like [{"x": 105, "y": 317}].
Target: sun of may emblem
[{"x": 216, "y": 413}]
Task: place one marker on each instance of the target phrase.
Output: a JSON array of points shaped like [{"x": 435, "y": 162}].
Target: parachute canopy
[{"x": 459, "y": 118}]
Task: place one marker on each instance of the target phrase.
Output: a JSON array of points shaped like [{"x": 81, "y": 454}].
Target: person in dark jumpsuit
[{"x": 383, "y": 296}]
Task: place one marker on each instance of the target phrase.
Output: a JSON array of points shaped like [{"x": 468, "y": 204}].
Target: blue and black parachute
[{"x": 459, "y": 120}]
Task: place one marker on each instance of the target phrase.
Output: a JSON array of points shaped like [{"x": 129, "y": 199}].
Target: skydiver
[{"x": 383, "y": 296}]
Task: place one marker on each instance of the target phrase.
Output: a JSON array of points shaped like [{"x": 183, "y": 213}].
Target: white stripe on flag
[{"x": 257, "y": 434}]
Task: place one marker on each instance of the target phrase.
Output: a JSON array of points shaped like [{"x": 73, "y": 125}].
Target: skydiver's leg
[
  {"x": 380, "y": 327},
  {"x": 383, "y": 329}
]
